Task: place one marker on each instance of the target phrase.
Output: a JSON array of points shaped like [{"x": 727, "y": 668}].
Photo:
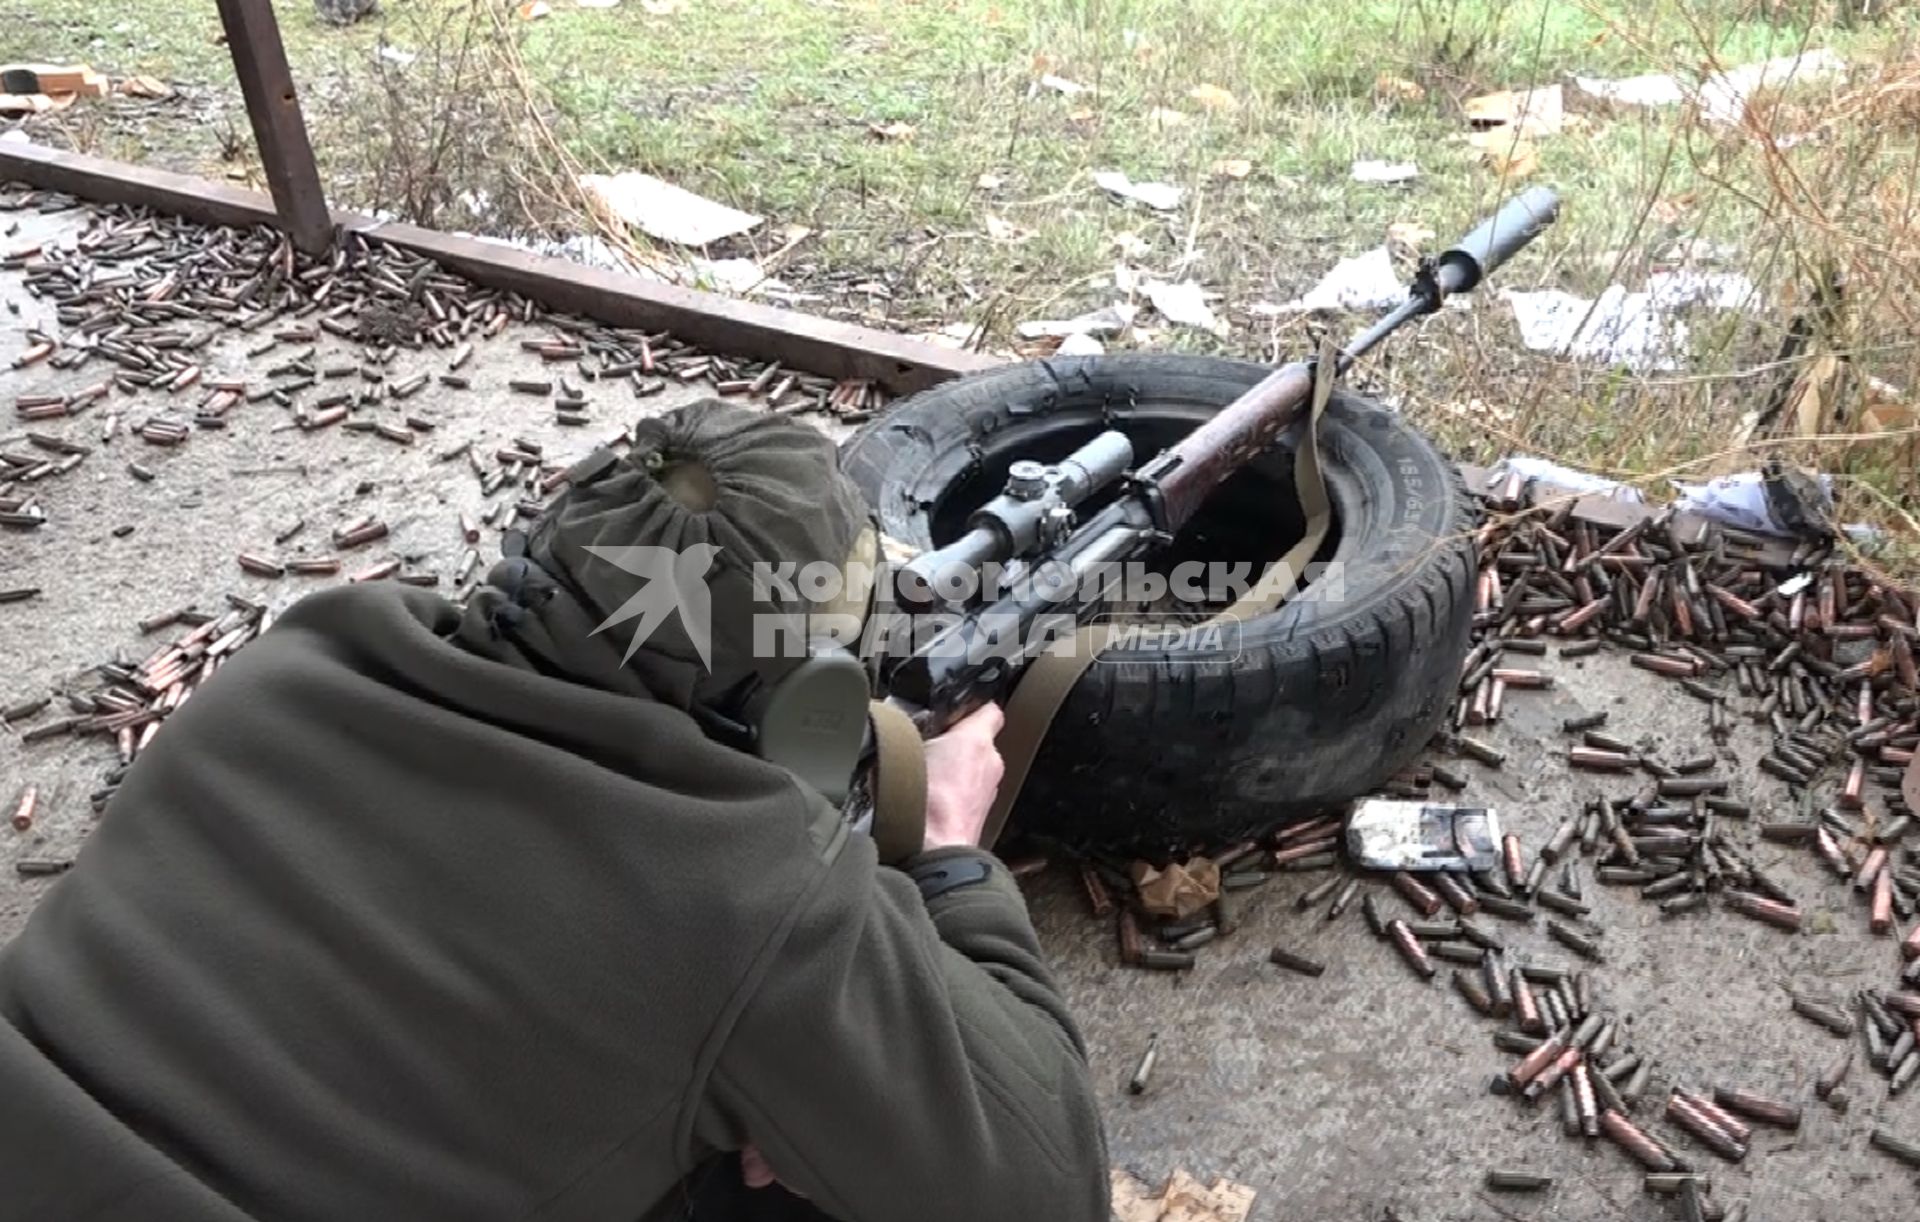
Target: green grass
[{"x": 767, "y": 105}]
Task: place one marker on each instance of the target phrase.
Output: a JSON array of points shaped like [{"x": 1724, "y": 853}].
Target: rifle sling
[
  {"x": 900, "y": 784},
  {"x": 1050, "y": 678}
]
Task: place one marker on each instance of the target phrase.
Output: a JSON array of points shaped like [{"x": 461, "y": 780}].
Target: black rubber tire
[{"x": 1325, "y": 699}]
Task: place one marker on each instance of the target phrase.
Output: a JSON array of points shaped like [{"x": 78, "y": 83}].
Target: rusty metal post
[{"x": 260, "y": 61}]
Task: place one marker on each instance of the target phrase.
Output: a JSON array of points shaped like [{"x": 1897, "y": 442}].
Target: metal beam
[
  {"x": 280, "y": 131},
  {"x": 898, "y": 363}
]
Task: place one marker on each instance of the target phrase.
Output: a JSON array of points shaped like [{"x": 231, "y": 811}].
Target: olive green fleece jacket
[{"x": 396, "y": 919}]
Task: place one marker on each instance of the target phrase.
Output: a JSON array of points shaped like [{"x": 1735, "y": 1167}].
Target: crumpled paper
[
  {"x": 1363, "y": 282},
  {"x": 1178, "y": 891},
  {"x": 1637, "y": 330},
  {"x": 1182, "y": 1199}
]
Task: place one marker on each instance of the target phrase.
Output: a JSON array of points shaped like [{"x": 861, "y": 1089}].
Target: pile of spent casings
[
  {"x": 1790, "y": 637},
  {"x": 139, "y": 295}
]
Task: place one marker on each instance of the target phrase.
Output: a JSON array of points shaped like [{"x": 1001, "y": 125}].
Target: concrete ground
[{"x": 1358, "y": 1095}]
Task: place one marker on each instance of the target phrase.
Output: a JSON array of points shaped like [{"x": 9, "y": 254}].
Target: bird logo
[{"x": 675, "y": 583}]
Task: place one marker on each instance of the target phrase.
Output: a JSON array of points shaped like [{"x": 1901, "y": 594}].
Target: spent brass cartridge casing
[
  {"x": 1342, "y": 900},
  {"x": 1712, "y": 1136},
  {"x": 1370, "y": 908},
  {"x": 1165, "y": 960},
  {"x": 1559, "y": 901},
  {"x": 1735, "y": 1127},
  {"x": 1904, "y": 1073},
  {"x": 1416, "y": 893},
  {"x": 1606, "y": 1094},
  {"x": 1526, "y": 1006},
  {"x": 1562, "y": 838},
  {"x": 1282, "y": 957},
  {"x": 1569, "y": 1108},
  {"x": 1531, "y": 1065},
  {"x": 1499, "y": 988},
  {"x": 1672, "y": 884},
  {"x": 1596, "y": 760},
  {"x": 1759, "y": 908},
  {"x": 1514, "y": 861},
  {"x": 1517, "y": 1181},
  {"x": 1831, "y": 1017},
  {"x": 1550, "y": 1076},
  {"x": 1456, "y": 894},
  {"x": 1480, "y": 751},
  {"x": 1589, "y": 1027},
  {"x": 1870, "y": 869},
  {"x": 1621, "y": 1066},
  {"x": 1585, "y": 1101},
  {"x": 1553, "y": 1010},
  {"x": 1313, "y": 861},
  {"x": 23, "y": 809},
  {"x": 1143, "y": 1072},
  {"x": 1830, "y": 1081},
  {"x": 1517, "y": 1042},
  {"x": 1591, "y": 721},
  {"x": 1573, "y": 939},
  {"x": 1661, "y": 664},
  {"x": 1666, "y": 1183},
  {"x": 1469, "y": 986},
  {"x": 1570, "y": 997},
  {"x": 1626, "y": 876},
  {"x": 1458, "y": 952},
  {"x": 1906, "y": 1151},
  {"x": 1315, "y": 894},
  {"x": 1508, "y": 909},
  {"x": 1880, "y": 917},
  {"x": 261, "y": 566},
  {"x": 1637, "y": 1082},
  {"x": 1788, "y": 833},
  {"x": 1479, "y": 935},
  {"x": 1410, "y": 948},
  {"x": 1690, "y": 786},
  {"x": 1684, "y": 903},
  {"x": 1630, "y": 1138},
  {"x": 1197, "y": 939},
  {"x": 1892, "y": 1056},
  {"x": 1448, "y": 777}
]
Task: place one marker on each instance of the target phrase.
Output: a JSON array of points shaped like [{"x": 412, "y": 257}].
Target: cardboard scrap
[
  {"x": 1181, "y": 1199},
  {"x": 1531, "y": 113},
  {"x": 1505, "y": 153},
  {"x": 52, "y": 79},
  {"x": 1212, "y": 97},
  {"x": 1178, "y": 891},
  {"x": 663, "y": 211}
]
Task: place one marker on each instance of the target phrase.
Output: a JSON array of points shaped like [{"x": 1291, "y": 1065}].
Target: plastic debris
[
  {"x": 1723, "y": 96},
  {"x": 1110, "y": 321},
  {"x": 1742, "y": 501},
  {"x": 1184, "y": 303},
  {"x": 1552, "y": 474},
  {"x": 1080, "y": 345},
  {"x": 661, "y": 210},
  {"x": 1157, "y": 195},
  {"x": 1385, "y": 171}
]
